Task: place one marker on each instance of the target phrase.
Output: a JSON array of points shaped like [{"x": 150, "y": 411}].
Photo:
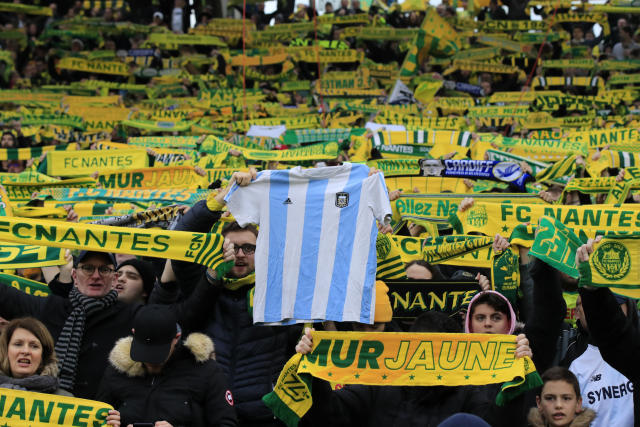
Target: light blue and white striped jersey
[{"x": 316, "y": 250}]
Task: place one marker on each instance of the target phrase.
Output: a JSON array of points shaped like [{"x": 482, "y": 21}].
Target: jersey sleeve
[
  {"x": 378, "y": 197},
  {"x": 244, "y": 203}
]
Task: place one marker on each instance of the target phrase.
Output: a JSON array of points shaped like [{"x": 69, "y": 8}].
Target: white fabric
[
  {"x": 176, "y": 20},
  {"x": 268, "y": 131},
  {"x": 316, "y": 255},
  {"x": 605, "y": 390}
]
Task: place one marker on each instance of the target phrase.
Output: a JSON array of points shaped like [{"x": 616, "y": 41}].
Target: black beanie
[{"x": 146, "y": 271}]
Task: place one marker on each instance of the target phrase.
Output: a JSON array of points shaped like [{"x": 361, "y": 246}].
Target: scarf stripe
[{"x": 70, "y": 339}]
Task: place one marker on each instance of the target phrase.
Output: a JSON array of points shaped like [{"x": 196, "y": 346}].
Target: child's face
[
  {"x": 558, "y": 403},
  {"x": 486, "y": 320}
]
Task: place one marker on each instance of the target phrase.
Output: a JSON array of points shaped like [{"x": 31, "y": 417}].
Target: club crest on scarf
[
  {"x": 612, "y": 260},
  {"x": 477, "y": 216}
]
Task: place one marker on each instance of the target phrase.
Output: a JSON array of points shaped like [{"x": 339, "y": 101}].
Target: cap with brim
[
  {"x": 146, "y": 352},
  {"x": 84, "y": 254},
  {"x": 155, "y": 327}
]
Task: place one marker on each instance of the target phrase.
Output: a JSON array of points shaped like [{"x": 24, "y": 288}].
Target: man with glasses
[
  {"x": 251, "y": 356},
  {"x": 88, "y": 323}
]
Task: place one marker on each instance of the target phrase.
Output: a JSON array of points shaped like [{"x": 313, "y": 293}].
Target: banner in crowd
[
  {"x": 502, "y": 218},
  {"x": 610, "y": 265},
  {"x": 20, "y": 408},
  {"x": 161, "y": 217},
  {"x": 414, "y": 359},
  {"x": 185, "y": 196},
  {"x": 24, "y": 256},
  {"x": 27, "y": 286},
  {"x": 151, "y": 178},
  {"x": 84, "y": 163},
  {"x": 439, "y": 206},
  {"x": 201, "y": 248},
  {"x": 410, "y": 298}
]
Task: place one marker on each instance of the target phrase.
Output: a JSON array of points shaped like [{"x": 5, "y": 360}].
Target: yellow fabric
[
  {"x": 414, "y": 359},
  {"x": 201, "y": 248},
  {"x": 494, "y": 218},
  {"x": 84, "y": 163},
  {"x": 150, "y": 178},
  {"x": 101, "y": 67},
  {"x": 63, "y": 410},
  {"x": 411, "y": 248},
  {"x": 383, "y": 311}
]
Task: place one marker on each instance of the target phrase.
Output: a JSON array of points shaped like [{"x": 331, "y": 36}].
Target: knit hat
[
  {"x": 145, "y": 269},
  {"x": 383, "y": 311}
]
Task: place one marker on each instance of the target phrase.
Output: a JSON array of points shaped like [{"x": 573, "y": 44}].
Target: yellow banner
[
  {"x": 91, "y": 66},
  {"x": 22, "y": 408},
  {"x": 416, "y": 359},
  {"x": 411, "y": 248},
  {"x": 438, "y": 206},
  {"x": 494, "y": 218},
  {"x": 151, "y": 178},
  {"x": 81, "y": 163},
  {"x": 330, "y": 55},
  {"x": 201, "y": 248}
]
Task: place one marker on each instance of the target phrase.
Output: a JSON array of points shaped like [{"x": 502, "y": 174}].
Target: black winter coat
[
  {"x": 388, "y": 406},
  {"x": 102, "y": 329},
  {"x": 251, "y": 356},
  {"x": 191, "y": 390}
]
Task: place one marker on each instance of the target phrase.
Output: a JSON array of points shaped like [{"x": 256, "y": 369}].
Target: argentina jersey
[{"x": 316, "y": 256}]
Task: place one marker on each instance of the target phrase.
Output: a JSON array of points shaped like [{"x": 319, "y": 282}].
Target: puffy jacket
[
  {"x": 190, "y": 391},
  {"x": 251, "y": 356}
]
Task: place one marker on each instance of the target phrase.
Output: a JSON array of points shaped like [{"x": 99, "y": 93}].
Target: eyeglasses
[
  {"x": 247, "y": 248},
  {"x": 89, "y": 269}
]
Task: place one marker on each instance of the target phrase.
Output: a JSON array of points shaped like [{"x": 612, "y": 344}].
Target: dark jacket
[
  {"x": 387, "y": 406},
  {"x": 617, "y": 337},
  {"x": 251, "y": 356},
  {"x": 102, "y": 329},
  {"x": 190, "y": 391},
  {"x": 547, "y": 314}
]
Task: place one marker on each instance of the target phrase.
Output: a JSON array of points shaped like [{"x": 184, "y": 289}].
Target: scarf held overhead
[
  {"x": 201, "y": 248},
  {"x": 416, "y": 359}
]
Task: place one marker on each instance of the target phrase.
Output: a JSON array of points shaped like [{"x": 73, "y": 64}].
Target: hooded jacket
[
  {"x": 512, "y": 314},
  {"x": 191, "y": 390},
  {"x": 583, "y": 419}
]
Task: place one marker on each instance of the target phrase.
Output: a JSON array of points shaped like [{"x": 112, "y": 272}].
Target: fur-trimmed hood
[
  {"x": 583, "y": 419},
  {"x": 200, "y": 346}
]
